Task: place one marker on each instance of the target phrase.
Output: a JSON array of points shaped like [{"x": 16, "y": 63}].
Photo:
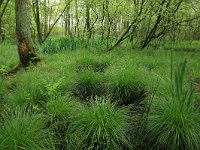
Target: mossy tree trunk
[{"x": 26, "y": 51}]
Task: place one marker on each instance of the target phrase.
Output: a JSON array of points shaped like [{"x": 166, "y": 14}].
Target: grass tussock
[
  {"x": 34, "y": 88},
  {"x": 54, "y": 88},
  {"x": 174, "y": 121},
  {"x": 23, "y": 129},
  {"x": 88, "y": 85},
  {"x": 127, "y": 86},
  {"x": 96, "y": 64},
  {"x": 101, "y": 125},
  {"x": 60, "y": 111}
]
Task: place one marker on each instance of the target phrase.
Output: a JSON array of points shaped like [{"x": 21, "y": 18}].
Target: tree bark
[
  {"x": 102, "y": 22},
  {"x": 36, "y": 9},
  {"x": 89, "y": 33},
  {"x": 68, "y": 19},
  {"x": 1, "y": 16},
  {"x": 26, "y": 51},
  {"x": 77, "y": 19},
  {"x": 46, "y": 5}
]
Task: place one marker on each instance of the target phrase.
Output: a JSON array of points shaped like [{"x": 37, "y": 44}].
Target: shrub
[
  {"x": 88, "y": 85},
  {"x": 128, "y": 86},
  {"x": 101, "y": 125},
  {"x": 24, "y": 129},
  {"x": 174, "y": 121}
]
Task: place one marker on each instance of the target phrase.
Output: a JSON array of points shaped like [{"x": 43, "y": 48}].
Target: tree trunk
[
  {"x": 2, "y": 36},
  {"x": 36, "y": 10},
  {"x": 67, "y": 20},
  {"x": 1, "y": 2},
  {"x": 108, "y": 22},
  {"x": 89, "y": 34},
  {"x": 77, "y": 19},
  {"x": 102, "y": 22},
  {"x": 25, "y": 43},
  {"x": 46, "y": 5}
]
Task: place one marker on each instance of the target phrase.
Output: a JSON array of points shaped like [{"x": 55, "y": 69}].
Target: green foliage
[
  {"x": 188, "y": 46},
  {"x": 93, "y": 63},
  {"x": 28, "y": 90},
  {"x": 34, "y": 88},
  {"x": 52, "y": 46},
  {"x": 88, "y": 84},
  {"x": 2, "y": 87},
  {"x": 3, "y": 69},
  {"x": 62, "y": 107},
  {"x": 60, "y": 111},
  {"x": 24, "y": 129},
  {"x": 101, "y": 125},
  {"x": 5, "y": 63},
  {"x": 174, "y": 121},
  {"x": 128, "y": 86},
  {"x": 84, "y": 72},
  {"x": 52, "y": 87}
]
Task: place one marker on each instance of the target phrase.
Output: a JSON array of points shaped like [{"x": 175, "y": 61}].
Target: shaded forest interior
[{"x": 99, "y": 74}]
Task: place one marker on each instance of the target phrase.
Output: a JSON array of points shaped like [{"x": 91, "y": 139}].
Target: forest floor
[
  {"x": 124, "y": 74},
  {"x": 148, "y": 65}
]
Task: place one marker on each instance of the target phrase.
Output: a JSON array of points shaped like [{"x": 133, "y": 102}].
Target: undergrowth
[
  {"x": 128, "y": 86},
  {"x": 52, "y": 46},
  {"x": 174, "y": 121},
  {"x": 22, "y": 129},
  {"x": 96, "y": 64},
  {"x": 88, "y": 85},
  {"x": 63, "y": 91},
  {"x": 100, "y": 125}
]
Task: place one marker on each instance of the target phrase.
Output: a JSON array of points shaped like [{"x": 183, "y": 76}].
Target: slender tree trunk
[
  {"x": 67, "y": 19},
  {"x": 55, "y": 22},
  {"x": 46, "y": 17},
  {"x": 1, "y": 37},
  {"x": 102, "y": 22},
  {"x": 36, "y": 8},
  {"x": 153, "y": 32},
  {"x": 89, "y": 33},
  {"x": 108, "y": 22},
  {"x": 1, "y": 2},
  {"x": 125, "y": 35},
  {"x": 77, "y": 19},
  {"x": 1, "y": 16},
  {"x": 50, "y": 17},
  {"x": 25, "y": 44}
]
